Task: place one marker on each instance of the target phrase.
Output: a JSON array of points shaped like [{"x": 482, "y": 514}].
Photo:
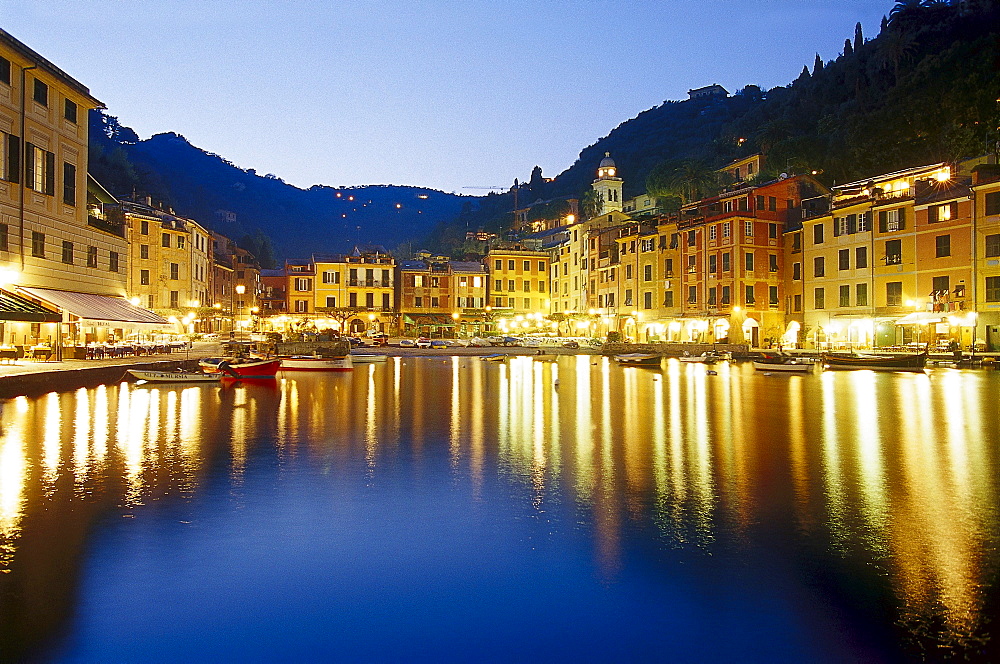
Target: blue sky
[{"x": 440, "y": 93}]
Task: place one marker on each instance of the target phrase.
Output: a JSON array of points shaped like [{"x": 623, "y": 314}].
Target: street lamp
[{"x": 240, "y": 290}]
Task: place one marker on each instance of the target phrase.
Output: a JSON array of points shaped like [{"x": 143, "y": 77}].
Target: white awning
[
  {"x": 100, "y": 310},
  {"x": 920, "y": 318}
]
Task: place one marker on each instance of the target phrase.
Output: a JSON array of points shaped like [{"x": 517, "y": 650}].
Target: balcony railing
[
  {"x": 370, "y": 283},
  {"x": 109, "y": 222}
]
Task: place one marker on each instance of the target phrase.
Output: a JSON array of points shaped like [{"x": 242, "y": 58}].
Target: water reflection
[{"x": 898, "y": 471}]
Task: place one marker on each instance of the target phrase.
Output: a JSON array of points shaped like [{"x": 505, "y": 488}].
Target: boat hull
[
  {"x": 876, "y": 362},
  {"x": 638, "y": 360},
  {"x": 783, "y": 366},
  {"x": 367, "y": 358},
  {"x": 306, "y": 363},
  {"x": 173, "y": 376},
  {"x": 236, "y": 369}
]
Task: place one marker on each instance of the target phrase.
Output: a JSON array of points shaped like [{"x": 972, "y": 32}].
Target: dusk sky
[{"x": 439, "y": 94}]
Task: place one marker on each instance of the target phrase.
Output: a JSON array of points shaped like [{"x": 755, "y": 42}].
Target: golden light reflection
[
  {"x": 51, "y": 440},
  {"x": 13, "y": 479},
  {"x": 81, "y": 439}
]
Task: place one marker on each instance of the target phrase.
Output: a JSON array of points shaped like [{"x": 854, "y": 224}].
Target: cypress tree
[
  {"x": 847, "y": 47},
  {"x": 859, "y": 39},
  {"x": 818, "y": 65}
]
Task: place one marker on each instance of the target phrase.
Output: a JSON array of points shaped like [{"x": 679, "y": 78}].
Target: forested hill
[
  {"x": 923, "y": 90},
  {"x": 205, "y": 186}
]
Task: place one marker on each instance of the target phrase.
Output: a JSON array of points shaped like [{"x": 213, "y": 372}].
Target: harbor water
[{"x": 450, "y": 509}]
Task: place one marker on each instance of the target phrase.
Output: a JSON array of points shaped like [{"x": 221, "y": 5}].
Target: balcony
[
  {"x": 111, "y": 221},
  {"x": 369, "y": 283}
]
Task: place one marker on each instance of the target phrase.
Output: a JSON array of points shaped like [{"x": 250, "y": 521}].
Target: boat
[
  {"x": 708, "y": 357},
  {"x": 545, "y": 358},
  {"x": 241, "y": 367},
  {"x": 173, "y": 376},
  {"x": 638, "y": 360},
  {"x": 783, "y": 363},
  {"x": 317, "y": 363},
  {"x": 494, "y": 357},
  {"x": 908, "y": 362},
  {"x": 368, "y": 357}
]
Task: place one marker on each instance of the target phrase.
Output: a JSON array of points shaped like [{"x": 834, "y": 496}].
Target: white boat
[
  {"x": 638, "y": 359},
  {"x": 173, "y": 376},
  {"x": 495, "y": 357},
  {"x": 367, "y": 357},
  {"x": 708, "y": 357},
  {"x": 315, "y": 363},
  {"x": 794, "y": 364}
]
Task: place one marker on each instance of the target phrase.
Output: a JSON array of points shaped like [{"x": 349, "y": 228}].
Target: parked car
[
  {"x": 380, "y": 339},
  {"x": 439, "y": 343},
  {"x": 355, "y": 341},
  {"x": 571, "y": 344},
  {"x": 407, "y": 343},
  {"x": 423, "y": 342}
]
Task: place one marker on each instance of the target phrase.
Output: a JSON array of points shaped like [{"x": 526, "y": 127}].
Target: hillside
[{"x": 199, "y": 185}]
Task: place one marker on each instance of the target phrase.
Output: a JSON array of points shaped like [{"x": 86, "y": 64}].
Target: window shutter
[
  {"x": 883, "y": 221},
  {"x": 29, "y": 164},
  {"x": 954, "y": 210},
  {"x": 852, "y": 224},
  {"x": 13, "y": 158},
  {"x": 902, "y": 218},
  {"x": 50, "y": 173},
  {"x": 836, "y": 226}
]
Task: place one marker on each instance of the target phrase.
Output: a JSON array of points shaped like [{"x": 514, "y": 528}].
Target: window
[
  {"x": 113, "y": 261},
  {"x": 628, "y": 297},
  {"x": 175, "y": 271},
  {"x": 893, "y": 252},
  {"x": 510, "y": 265},
  {"x": 144, "y": 227},
  {"x": 772, "y": 262},
  {"x": 796, "y": 302},
  {"x": 180, "y": 244},
  {"x": 67, "y": 252},
  {"x": 3, "y": 237},
  {"x": 37, "y": 244},
  {"x": 861, "y": 295},
  {"x": 992, "y": 246},
  {"x": 748, "y": 228},
  {"x": 647, "y": 272},
  {"x": 302, "y": 285},
  {"x": 713, "y": 263},
  {"x": 772, "y": 296},
  {"x": 692, "y": 263},
  {"x": 69, "y": 111},
  {"x": 749, "y": 298},
  {"x": 674, "y": 240},
  {"x": 993, "y": 289},
  {"x": 527, "y": 285},
  {"x": 819, "y": 266},
  {"x": 819, "y": 299},
  {"x": 940, "y": 286},
  {"x": 845, "y": 296},
  {"x": 861, "y": 257},
  {"x": 527, "y": 303},
  {"x": 370, "y": 300},
  {"x": 331, "y": 277},
  {"x": 844, "y": 259},
  {"x": 668, "y": 298},
  {"x": 174, "y": 298},
  {"x": 772, "y": 231},
  {"x": 711, "y": 296},
  {"x": 692, "y": 236},
  {"x": 668, "y": 266},
  {"x": 498, "y": 265},
  {"x": 725, "y": 295},
  {"x": 992, "y": 202},
  {"x": 772, "y": 204},
  {"x": 150, "y": 300},
  {"x": 143, "y": 251},
  {"x": 331, "y": 302},
  {"x": 796, "y": 271},
  {"x": 498, "y": 284},
  {"x": 946, "y": 212},
  {"x": 477, "y": 282},
  {"x": 541, "y": 285},
  {"x": 894, "y": 294},
  {"x": 4, "y": 70},
  {"x": 352, "y": 299},
  {"x": 419, "y": 301},
  {"x": 692, "y": 294},
  {"x": 647, "y": 300},
  {"x": 726, "y": 262},
  {"x": 301, "y": 306},
  {"x": 727, "y": 229},
  {"x": 69, "y": 183},
  {"x": 712, "y": 232},
  {"x": 165, "y": 240},
  {"x": 541, "y": 265},
  {"x": 510, "y": 284},
  {"x": 10, "y": 157},
  {"x": 759, "y": 202},
  {"x": 385, "y": 302},
  {"x": 39, "y": 169},
  {"x": 748, "y": 261},
  {"x": 890, "y": 221},
  {"x": 796, "y": 242},
  {"x": 818, "y": 234},
  {"x": 144, "y": 277},
  {"x": 942, "y": 246},
  {"x": 628, "y": 271},
  {"x": 41, "y": 93}
]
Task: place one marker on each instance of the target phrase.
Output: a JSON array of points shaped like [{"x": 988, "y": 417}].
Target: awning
[
  {"x": 919, "y": 318},
  {"x": 14, "y": 307},
  {"x": 434, "y": 320},
  {"x": 100, "y": 310}
]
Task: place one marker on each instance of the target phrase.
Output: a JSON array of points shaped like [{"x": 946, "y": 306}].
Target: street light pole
[{"x": 240, "y": 290}]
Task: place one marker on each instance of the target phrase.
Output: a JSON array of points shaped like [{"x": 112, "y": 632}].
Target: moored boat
[
  {"x": 237, "y": 367},
  {"x": 782, "y": 363},
  {"x": 173, "y": 376},
  {"x": 367, "y": 358},
  {"x": 708, "y": 357},
  {"x": 908, "y": 362},
  {"x": 316, "y": 363},
  {"x": 494, "y": 357},
  {"x": 638, "y": 359}
]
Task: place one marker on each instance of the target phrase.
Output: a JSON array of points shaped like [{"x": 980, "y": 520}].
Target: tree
[
  {"x": 590, "y": 204},
  {"x": 342, "y": 315},
  {"x": 848, "y": 49},
  {"x": 859, "y": 39},
  {"x": 897, "y": 47},
  {"x": 817, "y": 65}
]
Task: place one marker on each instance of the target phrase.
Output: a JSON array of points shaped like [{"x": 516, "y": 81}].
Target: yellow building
[
  {"x": 986, "y": 266},
  {"x": 519, "y": 284},
  {"x": 362, "y": 280},
  {"x": 51, "y": 250}
]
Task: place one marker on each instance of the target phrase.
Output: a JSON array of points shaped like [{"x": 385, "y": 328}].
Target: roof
[
  {"x": 44, "y": 64},
  {"x": 272, "y": 273},
  {"x": 98, "y": 308},
  {"x": 895, "y": 175},
  {"x": 15, "y": 307},
  {"x": 413, "y": 265},
  {"x": 467, "y": 266}
]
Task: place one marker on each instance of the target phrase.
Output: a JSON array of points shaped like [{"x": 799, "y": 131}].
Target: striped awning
[
  {"x": 16, "y": 308},
  {"x": 99, "y": 310}
]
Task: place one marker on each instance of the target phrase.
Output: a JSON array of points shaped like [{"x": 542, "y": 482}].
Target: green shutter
[
  {"x": 883, "y": 221},
  {"x": 29, "y": 165},
  {"x": 13, "y": 158},
  {"x": 50, "y": 173}
]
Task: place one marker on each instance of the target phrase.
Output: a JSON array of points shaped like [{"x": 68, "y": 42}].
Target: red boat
[{"x": 249, "y": 367}]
